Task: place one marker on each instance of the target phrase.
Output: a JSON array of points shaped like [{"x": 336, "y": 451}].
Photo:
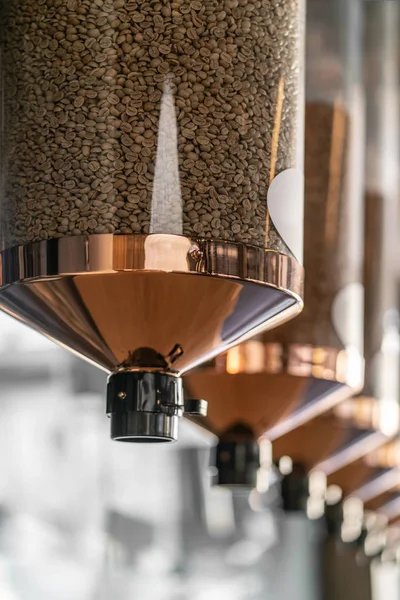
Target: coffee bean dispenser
[
  {"x": 335, "y": 439},
  {"x": 282, "y": 379},
  {"x": 378, "y": 466},
  {"x": 152, "y": 180},
  {"x": 382, "y": 338}
]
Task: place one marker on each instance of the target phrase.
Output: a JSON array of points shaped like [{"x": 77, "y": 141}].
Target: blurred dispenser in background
[
  {"x": 366, "y": 468},
  {"x": 277, "y": 381},
  {"x": 307, "y": 459},
  {"x": 381, "y": 331}
]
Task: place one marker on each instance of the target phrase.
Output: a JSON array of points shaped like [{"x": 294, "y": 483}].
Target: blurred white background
[{"x": 84, "y": 518}]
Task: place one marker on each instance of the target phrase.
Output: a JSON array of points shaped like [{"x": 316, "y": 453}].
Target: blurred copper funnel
[
  {"x": 371, "y": 473},
  {"x": 330, "y": 442},
  {"x": 272, "y": 392}
]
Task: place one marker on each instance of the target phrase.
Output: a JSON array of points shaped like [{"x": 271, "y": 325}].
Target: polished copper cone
[
  {"x": 371, "y": 474},
  {"x": 351, "y": 477},
  {"x": 339, "y": 437},
  {"x": 273, "y": 389},
  {"x": 107, "y": 297},
  {"x": 155, "y": 303},
  {"x": 385, "y": 484},
  {"x": 242, "y": 399},
  {"x": 336, "y": 444},
  {"x": 316, "y": 440},
  {"x": 352, "y": 446}
]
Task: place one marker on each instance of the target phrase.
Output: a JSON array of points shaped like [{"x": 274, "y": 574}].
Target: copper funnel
[
  {"x": 385, "y": 486},
  {"x": 337, "y": 440},
  {"x": 316, "y": 440},
  {"x": 271, "y": 392},
  {"x": 371, "y": 473},
  {"x": 338, "y": 437},
  {"x": 147, "y": 308}
]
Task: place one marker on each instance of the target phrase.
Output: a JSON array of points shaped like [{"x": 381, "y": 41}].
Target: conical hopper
[
  {"x": 281, "y": 380},
  {"x": 368, "y": 472},
  {"x": 392, "y": 510},
  {"x": 147, "y": 306},
  {"x": 384, "y": 487},
  {"x": 338, "y": 442},
  {"x": 332, "y": 439},
  {"x": 257, "y": 385},
  {"x": 254, "y": 386}
]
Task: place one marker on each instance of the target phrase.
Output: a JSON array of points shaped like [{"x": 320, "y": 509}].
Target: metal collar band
[{"x": 108, "y": 253}]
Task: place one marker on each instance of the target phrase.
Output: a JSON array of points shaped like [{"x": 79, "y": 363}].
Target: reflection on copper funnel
[
  {"x": 148, "y": 308},
  {"x": 312, "y": 442},
  {"x": 333, "y": 441},
  {"x": 271, "y": 389},
  {"x": 342, "y": 445}
]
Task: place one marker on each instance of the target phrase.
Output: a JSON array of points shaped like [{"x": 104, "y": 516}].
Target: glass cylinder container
[
  {"x": 334, "y": 159},
  {"x": 154, "y": 139},
  {"x": 305, "y": 367},
  {"x": 382, "y": 338},
  {"x": 151, "y": 117},
  {"x": 370, "y": 468},
  {"x": 327, "y": 339},
  {"x": 370, "y": 476}
]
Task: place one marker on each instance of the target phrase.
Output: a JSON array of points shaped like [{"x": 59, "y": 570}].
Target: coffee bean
[{"x": 164, "y": 112}]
